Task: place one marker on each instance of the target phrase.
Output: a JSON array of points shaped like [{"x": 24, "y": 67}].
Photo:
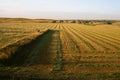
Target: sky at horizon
[{"x": 61, "y": 9}]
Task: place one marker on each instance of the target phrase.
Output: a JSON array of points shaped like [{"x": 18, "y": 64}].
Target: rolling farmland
[{"x": 59, "y": 51}]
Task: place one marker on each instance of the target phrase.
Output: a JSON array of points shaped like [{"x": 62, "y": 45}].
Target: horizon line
[{"x": 55, "y": 19}]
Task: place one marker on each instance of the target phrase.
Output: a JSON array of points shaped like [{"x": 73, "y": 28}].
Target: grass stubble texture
[{"x": 59, "y": 51}]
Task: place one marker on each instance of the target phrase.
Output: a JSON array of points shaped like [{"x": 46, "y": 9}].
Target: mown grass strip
[
  {"x": 58, "y": 64},
  {"x": 44, "y": 40}
]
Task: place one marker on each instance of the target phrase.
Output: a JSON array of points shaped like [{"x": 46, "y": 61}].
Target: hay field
[{"x": 59, "y": 51}]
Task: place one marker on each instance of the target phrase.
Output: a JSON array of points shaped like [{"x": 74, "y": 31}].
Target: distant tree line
[
  {"x": 25, "y": 20},
  {"x": 87, "y": 22}
]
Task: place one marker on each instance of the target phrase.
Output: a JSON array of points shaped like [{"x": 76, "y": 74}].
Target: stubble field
[{"x": 59, "y": 51}]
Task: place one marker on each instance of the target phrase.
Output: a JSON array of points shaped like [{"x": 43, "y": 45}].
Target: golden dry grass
[{"x": 73, "y": 51}]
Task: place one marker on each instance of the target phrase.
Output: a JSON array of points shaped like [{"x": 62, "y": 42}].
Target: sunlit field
[{"x": 60, "y": 51}]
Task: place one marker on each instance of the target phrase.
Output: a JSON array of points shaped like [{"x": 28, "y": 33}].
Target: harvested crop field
[{"x": 65, "y": 51}]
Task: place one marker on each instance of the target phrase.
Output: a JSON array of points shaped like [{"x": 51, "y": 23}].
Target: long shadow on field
[{"x": 26, "y": 55}]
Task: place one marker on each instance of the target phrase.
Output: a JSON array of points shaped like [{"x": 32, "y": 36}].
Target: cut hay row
[
  {"x": 112, "y": 44},
  {"x": 98, "y": 38},
  {"x": 74, "y": 47},
  {"x": 53, "y": 26},
  {"x": 94, "y": 39},
  {"x": 105, "y": 31},
  {"x": 78, "y": 32},
  {"x": 81, "y": 45},
  {"x": 99, "y": 46},
  {"x": 83, "y": 40},
  {"x": 103, "y": 51},
  {"x": 110, "y": 31},
  {"x": 107, "y": 38},
  {"x": 58, "y": 26},
  {"x": 70, "y": 47}
]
